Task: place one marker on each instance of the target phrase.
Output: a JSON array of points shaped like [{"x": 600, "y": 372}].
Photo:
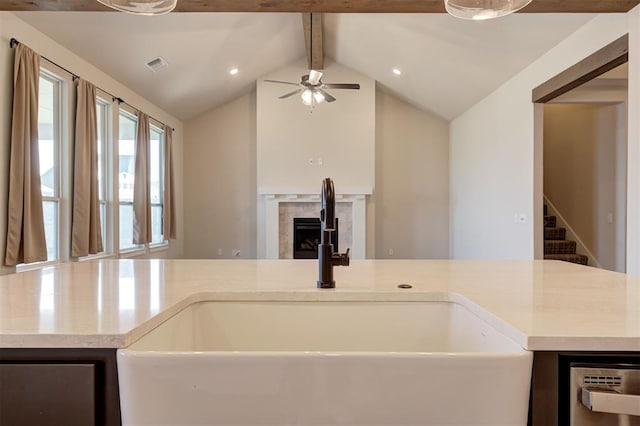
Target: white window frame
[
  {"x": 164, "y": 244},
  {"x": 57, "y": 160},
  {"x": 139, "y": 249},
  {"x": 104, "y": 99},
  {"x": 63, "y": 93}
]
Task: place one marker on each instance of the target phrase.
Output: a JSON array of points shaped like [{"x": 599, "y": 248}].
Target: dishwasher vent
[{"x": 603, "y": 380}]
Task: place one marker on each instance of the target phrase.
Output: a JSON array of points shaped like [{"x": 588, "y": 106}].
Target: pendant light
[
  {"x": 479, "y": 10},
  {"x": 142, "y": 7}
]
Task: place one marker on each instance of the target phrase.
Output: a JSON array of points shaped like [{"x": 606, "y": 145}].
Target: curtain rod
[
  {"x": 14, "y": 42},
  {"x": 122, "y": 101}
]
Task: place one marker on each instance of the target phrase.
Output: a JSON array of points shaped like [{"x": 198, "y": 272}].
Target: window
[
  {"x": 156, "y": 181},
  {"x": 49, "y": 113},
  {"x": 116, "y": 170},
  {"x": 103, "y": 111},
  {"x": 126, "y": 175},
  {"x": 126, "y": 179}
]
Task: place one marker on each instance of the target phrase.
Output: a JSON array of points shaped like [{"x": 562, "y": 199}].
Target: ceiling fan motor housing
[{"x": 306, "y": 83}]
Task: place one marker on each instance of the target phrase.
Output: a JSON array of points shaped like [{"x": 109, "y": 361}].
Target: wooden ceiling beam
[
  {"x": 313, "y": 36},
  {"x": 609, "y": 57},
  {"x": 324, "y": 6}
]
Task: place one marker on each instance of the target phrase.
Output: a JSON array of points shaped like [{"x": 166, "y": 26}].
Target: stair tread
[
  {"x": 549, "y": 221},
  {"x": 555, "y": 233},
  {"x": 573, "y": 258},
  {"x": 559, "y": 247}
]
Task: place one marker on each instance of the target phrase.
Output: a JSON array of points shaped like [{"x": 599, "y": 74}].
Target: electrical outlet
[
  {"x": 390, "y": 252},
  {"x": 320, "y": 161},
  {"x": 219, "y": 252},
  {"x": 236, "y": 253}
]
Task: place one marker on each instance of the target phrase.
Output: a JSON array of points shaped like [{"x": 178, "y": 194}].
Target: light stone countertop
[{"x": 542, "y": 305}]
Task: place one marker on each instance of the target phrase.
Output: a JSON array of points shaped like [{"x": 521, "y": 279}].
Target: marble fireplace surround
[{"x": 276, "y": 206}]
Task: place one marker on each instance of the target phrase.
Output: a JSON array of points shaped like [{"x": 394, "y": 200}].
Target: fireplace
[
  {"x": 277, "y": 211},
  {"x": 306, "y": 237}
]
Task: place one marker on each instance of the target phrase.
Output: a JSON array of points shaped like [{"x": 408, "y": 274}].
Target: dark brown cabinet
[
  {"x": 69, "y": 387},
  {"x": 37, "y": 394}
]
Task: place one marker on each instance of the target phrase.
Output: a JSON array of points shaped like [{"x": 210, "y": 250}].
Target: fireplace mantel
[
  {"x": 272, "y": 203},
  {"x": 306, "y": 192}
]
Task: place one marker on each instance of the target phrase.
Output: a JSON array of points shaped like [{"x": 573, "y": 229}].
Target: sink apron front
[{"x": 367, "y": 363}]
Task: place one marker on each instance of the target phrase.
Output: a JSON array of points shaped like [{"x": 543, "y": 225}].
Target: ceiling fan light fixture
[
  {"x": 480, "y": 10},
  {"x": 142, "y": 7},
  {"x": 307, "y": 97},
  {"x": 311, "y": 93},
  {"x": 318, "y": 97}
]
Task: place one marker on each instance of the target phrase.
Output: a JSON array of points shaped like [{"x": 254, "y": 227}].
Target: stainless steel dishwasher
[{"x": 605, "y": 395}]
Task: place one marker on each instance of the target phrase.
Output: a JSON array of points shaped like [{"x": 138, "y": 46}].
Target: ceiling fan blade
[
  {"x": 327, "y": 96},
  {"x": 341, "y": 86},
  {"x": 290, "y": 94},
  {"x": 314, "y": 77},
  {"x": 283, "y": 82}
]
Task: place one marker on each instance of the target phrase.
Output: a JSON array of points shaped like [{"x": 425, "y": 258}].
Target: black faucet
[{"x": 327, "y": 259}]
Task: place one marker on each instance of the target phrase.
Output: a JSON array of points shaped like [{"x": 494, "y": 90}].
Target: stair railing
[{"x": 581, "y": 248}]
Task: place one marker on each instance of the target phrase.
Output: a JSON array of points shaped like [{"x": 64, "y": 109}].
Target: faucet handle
[{"x": 341, "y": 259}]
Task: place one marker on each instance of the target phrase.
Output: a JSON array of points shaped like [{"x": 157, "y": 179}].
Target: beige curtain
[
  {"x": 86, "y": 232},
  {"x": 169, "y": 196},
  {"x": 26, "y": 241},
  {"x": 141, "y": 193}
]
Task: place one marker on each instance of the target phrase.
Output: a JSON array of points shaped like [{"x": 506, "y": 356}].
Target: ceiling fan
[{"x": 313, "y": 89}]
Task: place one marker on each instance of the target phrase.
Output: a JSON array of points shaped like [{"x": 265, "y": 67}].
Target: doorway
[{"x": 581, "y": 150}]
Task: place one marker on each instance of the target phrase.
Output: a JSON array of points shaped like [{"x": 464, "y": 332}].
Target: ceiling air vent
[{"x": 157, "y": 64}]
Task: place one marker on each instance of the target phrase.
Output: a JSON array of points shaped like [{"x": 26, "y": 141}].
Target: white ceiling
[{"x": 447, "y": 64}]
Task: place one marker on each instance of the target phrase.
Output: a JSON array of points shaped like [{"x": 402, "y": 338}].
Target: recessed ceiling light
[
  {"x": 397, "y": 71},
  {"x": 233, "y": 71}
]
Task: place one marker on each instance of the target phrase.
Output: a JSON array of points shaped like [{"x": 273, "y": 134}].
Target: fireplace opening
[{"x": 306, "y": 237}]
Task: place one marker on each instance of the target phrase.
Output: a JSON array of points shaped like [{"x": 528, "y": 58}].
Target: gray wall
[
  {"x": 220, "y": 181},
  {"x": 412, "y": 182},
  {"x": 408, "y": 211}
]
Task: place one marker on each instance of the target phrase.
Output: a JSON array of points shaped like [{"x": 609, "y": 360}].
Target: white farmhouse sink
[{"x": 324, "y": 363}]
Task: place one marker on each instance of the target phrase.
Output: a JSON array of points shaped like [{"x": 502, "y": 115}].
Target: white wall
[
  {"x": 411, "y": 152},
  {"x": 220, "y": 181},
  {"x": 341, "y": 133},
  {"x": 633, "y": 146},
  {"x": 492, "y": 153},
  {"x": 11, "y": 26},
  {"x": 584, "y": 175},
  {"x": 412, "y": 181}
]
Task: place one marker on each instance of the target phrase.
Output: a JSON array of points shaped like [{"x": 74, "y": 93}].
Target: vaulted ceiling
[
  {"x": 326, "y": 6},
  {"x": 447, "y": 64}
]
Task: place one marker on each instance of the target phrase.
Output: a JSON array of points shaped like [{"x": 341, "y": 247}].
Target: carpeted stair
[{"x": 556, "y": 246}]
